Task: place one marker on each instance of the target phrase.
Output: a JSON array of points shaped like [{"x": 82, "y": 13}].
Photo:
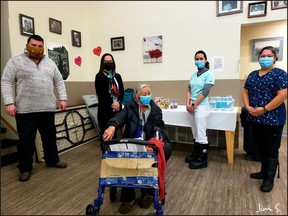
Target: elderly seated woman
[{"x": 141, "y": 117}]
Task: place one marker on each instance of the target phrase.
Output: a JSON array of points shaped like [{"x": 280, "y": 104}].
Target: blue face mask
[
  {"x": 200, "y": 64},
  {"x": 266, "y": 62},
  {"x": 145, "y": 100}
]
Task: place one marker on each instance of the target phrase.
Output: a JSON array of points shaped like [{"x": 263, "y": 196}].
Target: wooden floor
[{"x": 220, "y": 189}]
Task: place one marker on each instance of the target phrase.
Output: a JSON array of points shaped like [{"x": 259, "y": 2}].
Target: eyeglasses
[{"x": 266, "y": 56}]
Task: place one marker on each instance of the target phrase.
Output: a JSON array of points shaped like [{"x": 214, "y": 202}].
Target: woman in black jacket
[
  {"x": 110, "y": 91},
  {"x": 141, "y": 117}
]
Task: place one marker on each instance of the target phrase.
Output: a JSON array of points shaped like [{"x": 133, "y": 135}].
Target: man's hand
[
  {"x": 63, "y": 105},
  {"x": 10, "y": 109}
]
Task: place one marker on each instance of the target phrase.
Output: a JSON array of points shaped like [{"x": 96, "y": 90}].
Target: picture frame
[
  {"x": 278, "y": 5},
  {"x": 258, "y": 44},
  {"x": 26, "y": 25},
  {"x": 257, "y": 9},
  {"x": 224, "y": 8},
  {"x": 76, "y": 38},
  {"x": 117, "y": 43},
  {"x": 55, "y": 26}
]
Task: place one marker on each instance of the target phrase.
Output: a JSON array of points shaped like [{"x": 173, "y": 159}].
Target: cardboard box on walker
[{"x": 127, "y": 167}]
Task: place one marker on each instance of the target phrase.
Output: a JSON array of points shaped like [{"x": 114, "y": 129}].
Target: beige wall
[
  {"x": 98, "y": 21},
  {"x": 257, "y": 31},
  {"x": 174, "y": 90}
]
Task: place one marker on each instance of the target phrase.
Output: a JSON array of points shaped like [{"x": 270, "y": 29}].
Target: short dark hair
[{"x": 35, "y": 37}]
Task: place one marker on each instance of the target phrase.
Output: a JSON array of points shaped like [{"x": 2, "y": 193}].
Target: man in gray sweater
[{"x": 34, "y": 76}]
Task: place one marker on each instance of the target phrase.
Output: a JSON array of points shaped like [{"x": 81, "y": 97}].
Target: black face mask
[{"x": 108, "y": 66}]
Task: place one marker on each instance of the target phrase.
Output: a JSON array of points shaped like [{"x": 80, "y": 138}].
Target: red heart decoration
[
  {"x": 78, "y": 61},
  {"x": 97, "y": 51}
]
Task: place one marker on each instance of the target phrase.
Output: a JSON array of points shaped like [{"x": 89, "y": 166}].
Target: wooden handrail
[{"x": 9, "y": 126}]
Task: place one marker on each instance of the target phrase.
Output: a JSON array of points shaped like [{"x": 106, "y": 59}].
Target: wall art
[
  {"x": 26, "y": 25},
  {"x": 55, "y": 26},
  {"x": 76, "y": 38},
  {"x": 228, "y": 7},
  {"x": 257, "y": 9},
  {"x": 152, "y": 49},
  {"x": 258, "y": 44},
  {"x": 117, "y": 43},
  {"x": 278, "y": 5},
  {"x": 59, "y": 54}
]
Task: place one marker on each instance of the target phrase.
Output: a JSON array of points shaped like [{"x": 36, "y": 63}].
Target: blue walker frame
[{"x": 129, "y": 182}]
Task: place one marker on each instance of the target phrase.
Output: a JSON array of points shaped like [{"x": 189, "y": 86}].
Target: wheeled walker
[{"x": 126, "y": 163}]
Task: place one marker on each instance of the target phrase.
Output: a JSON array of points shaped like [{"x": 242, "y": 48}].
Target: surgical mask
[
  {"x": 200, "y": 64},
  {"x": 145, "y": 100},
  {"x": 266, "y": 62},
  {"x": 108, "y": 66},
  {"x": 35, "y": 52}
]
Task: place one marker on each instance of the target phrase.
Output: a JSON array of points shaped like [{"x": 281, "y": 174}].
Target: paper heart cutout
[
  {"x": 78, "y": 61},
  {"x": 97, "y": 51}
]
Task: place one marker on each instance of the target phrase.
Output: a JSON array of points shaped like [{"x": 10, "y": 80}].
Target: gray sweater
[{"x": 34, "y": 84}]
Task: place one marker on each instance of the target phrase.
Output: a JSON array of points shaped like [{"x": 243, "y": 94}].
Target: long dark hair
[
  {"x": 102, "y": 63},
  {"x": 205, "y": 56}
]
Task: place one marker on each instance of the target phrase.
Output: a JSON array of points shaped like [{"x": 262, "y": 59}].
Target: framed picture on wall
[
  {"x": 26, "y": 25},
  {"x": 117, "y": 43},
  {"x": 55, "y": 26},
  {"x": 224, "y": 8},
  {"x": 258, "y": 44},
  {"x": 76, "y": 38},
  {"x": 257, "y": 9},
  {"x": 278, "y": 5}
]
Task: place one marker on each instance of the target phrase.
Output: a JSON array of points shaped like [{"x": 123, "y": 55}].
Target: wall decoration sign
[
  {"x": 117, "y": 43},
  {"x": 26, "y": 25},
  {"x": 278, "y": 5},
  {"x": 97, "y": 51},
  {"x": 257, "y": 9},
  {"x": 152, "y": 49},
  {"x": 229, "y": 7},
  {"x": 55, "y": 26},
  {"x": 76, "y": 38},
  {"x": 275, "y": 42},
  {"x": 59, "y": 54}
]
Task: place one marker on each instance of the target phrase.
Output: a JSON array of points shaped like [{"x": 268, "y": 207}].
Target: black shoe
[
  {"x": 249, "y": 157},
  {"x": 112, "y": 193},
  {"x": 190, "y": 158},
  {"x": 258, "y": 175},
  {"x": 25, "y": 176},
  {"x": 146, "y": 201},
  {"x": 198, "y": 164},
  {"x": 60, "y": 165},
  {"x": 252, "y": 157},
  {"x": 266, "y": 186}
]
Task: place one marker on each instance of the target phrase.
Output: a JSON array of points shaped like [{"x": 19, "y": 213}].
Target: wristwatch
[{"x": 265, "y": 110}]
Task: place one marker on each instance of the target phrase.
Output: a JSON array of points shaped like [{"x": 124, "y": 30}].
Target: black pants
[
  {"x": 268, "y": 139},
  {"x": 129, "y": 194},
  {"x": 27, "y": 125}
]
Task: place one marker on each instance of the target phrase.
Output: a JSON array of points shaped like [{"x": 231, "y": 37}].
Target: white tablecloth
[{"x": 217, "y": 120}]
